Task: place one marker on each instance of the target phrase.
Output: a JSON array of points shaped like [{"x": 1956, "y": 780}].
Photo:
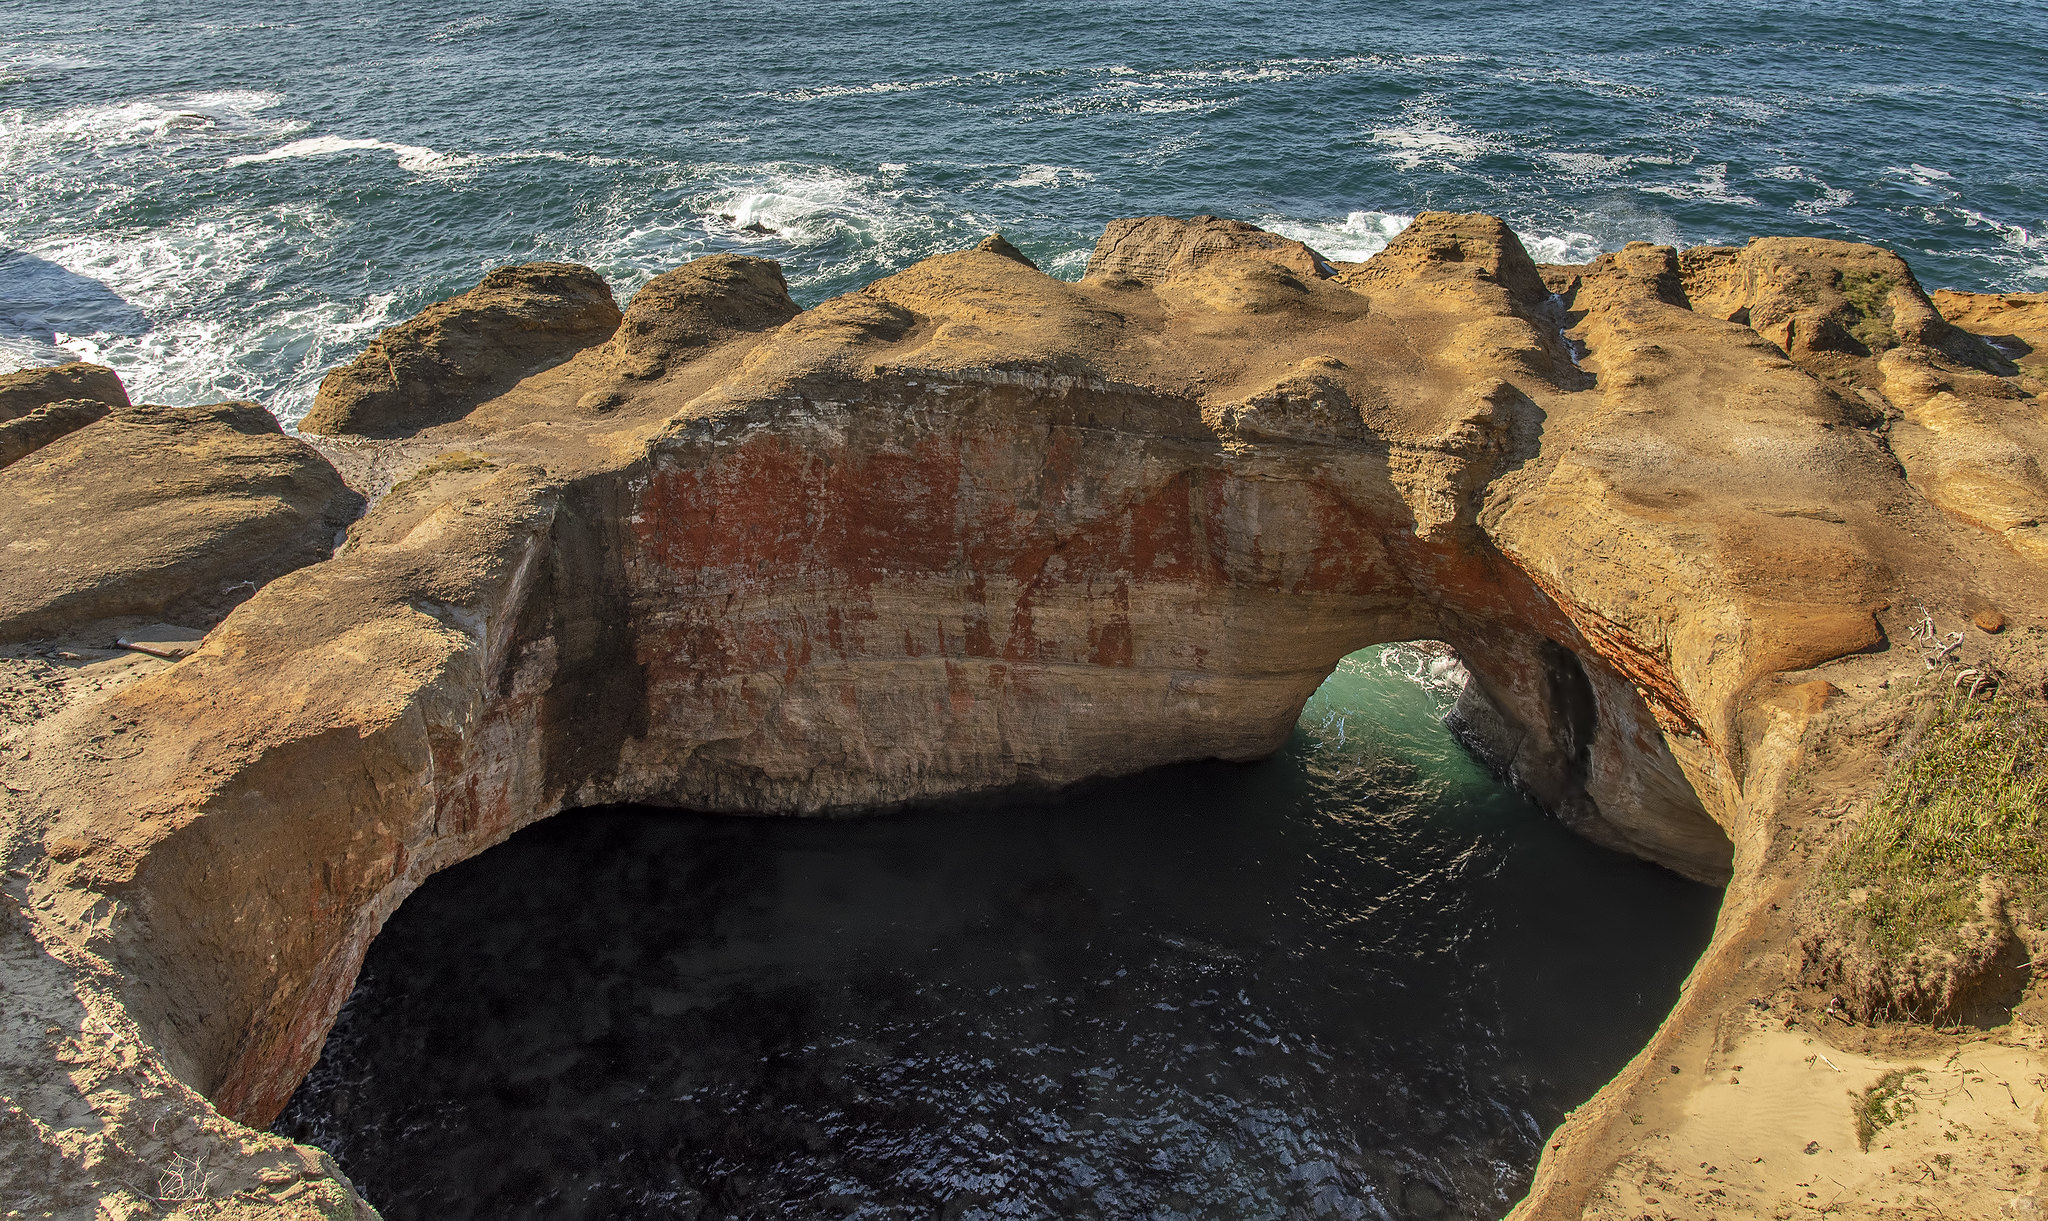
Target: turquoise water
[
  {"x": 225, "y": 200},
  {"x": 1360, "y": 979}
]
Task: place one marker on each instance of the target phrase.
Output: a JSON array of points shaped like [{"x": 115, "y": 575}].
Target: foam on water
[
  {"x": 1354, "y": 239},
  {"x": 410, "y": 157}
]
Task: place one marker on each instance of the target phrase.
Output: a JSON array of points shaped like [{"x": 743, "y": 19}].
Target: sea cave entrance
[{"x": 1362, "y": 978}]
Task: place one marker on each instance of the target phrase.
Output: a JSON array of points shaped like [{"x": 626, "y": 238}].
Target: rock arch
[{"x": 974, "y": 527}]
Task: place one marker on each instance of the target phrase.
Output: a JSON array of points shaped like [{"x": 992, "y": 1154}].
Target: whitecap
[
  {"x": 1433, "y": 142},
  {"x": 110, "y": 125},
  {"x": 1067, "y": 264},
  {"x": 1567, "y": 246},
  {"x": 1709, "y": 185},
  {"x": 1585, "y": 166},
  {"x": 412, "y": 158},
  {"x": 1830, "y": 199},
  {"x": 1354, "y": 239},
  {"x": 1046, "y": 176},
  {"x": 201, "y": 342}
]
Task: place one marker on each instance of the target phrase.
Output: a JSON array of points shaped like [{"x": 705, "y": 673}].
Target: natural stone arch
[{"x": 974, "y": 527}]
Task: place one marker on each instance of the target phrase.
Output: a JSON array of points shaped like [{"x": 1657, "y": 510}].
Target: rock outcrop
[
  {"x": 29, "y": 389},
  {"x": 460, "y": 352},
  {"x": 974, "y": 527},
  {"x": 155, "y": 512}
]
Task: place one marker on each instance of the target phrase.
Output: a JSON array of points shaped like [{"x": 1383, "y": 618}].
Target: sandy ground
[{"x": 1766, "y": 1127}]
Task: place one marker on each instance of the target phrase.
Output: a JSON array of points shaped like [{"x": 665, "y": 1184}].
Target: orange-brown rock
[{"x": 973, "y": 527}]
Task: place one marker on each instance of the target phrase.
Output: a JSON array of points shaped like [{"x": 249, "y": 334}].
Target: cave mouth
[{"x": 1362, "y": 978}]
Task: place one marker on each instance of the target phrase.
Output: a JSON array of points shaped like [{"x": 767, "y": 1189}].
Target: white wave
[
  {"x": 1361, "y": 235},
  {"x": 1590, "y": 166},
  {"x": 1561, "y": 245},
  {"x": 35, "y": 65},
  {"x": 206, "y": 337},
  {"x": 144, "y": 119},
  {"x": 1354, "y": 239},
  {"x": 471, "y": 25},
  {"x": 1046, "y": 176},
  {"x": 1432, "y": 666},
  {"x": 1436, "y": 143},
  {"x": 820, "y": 92},
  {"x": 2026, "y": 250},
  {"x": 412, "y": 158},
  {"x": 1067, "y": 264},
  {"x": 1709, "y": 185},
  {"x": 892, "y": 167},
  {"x": 1829, "y": 200}
]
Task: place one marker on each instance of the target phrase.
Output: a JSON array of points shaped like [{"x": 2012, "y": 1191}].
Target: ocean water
[
  {"x": 227, "y": 199},
  {"x": 1358, "y": 980}
]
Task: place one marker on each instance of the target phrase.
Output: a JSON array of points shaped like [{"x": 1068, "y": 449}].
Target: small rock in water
[{"x": 164, "y": 640}]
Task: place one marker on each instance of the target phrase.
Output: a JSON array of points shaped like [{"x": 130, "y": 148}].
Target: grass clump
[
  {"x": 1882, "y": 1105},
  {"x": 1918, "y": 897},
  {"x": 1869, "y": 294}
]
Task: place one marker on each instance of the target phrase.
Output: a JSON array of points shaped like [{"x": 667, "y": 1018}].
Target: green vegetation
[
  {"x": 1962, "y": 803},
  {"x": 1883, "y": 1104},
  {"x": 1869, "y": 294}
]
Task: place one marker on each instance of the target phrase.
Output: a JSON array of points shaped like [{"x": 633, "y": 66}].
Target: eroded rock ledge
[{"x": 968, "y": 528}]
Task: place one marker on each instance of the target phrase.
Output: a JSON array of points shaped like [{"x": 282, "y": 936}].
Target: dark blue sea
[{"x": 225, "y": 200}]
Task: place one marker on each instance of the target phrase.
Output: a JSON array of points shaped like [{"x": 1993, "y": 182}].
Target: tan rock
[
  {"x": 25, "y": 434},
  {"x": 25, "y": 391},
  {"x": 460, "y": 352},
  {"x": 156, "y": 511},
  {"x": 696, "y": 305},
  {"x": 974, "y": 527},
  {"x": 1153, "y": 249}
]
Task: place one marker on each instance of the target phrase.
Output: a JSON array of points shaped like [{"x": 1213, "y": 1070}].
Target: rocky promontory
[{"x": 1688, "y": 518}]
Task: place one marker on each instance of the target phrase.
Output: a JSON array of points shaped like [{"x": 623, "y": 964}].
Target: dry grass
[
  {"x": 185, "y": 1180},
  {"x": 1869, "y": 294}
]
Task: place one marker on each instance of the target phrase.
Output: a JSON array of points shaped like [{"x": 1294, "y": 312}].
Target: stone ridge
[
  {"x": 462, "y": 351},
  {"x": 30, "y": 389},
  {"x": 974, "y": 527}
]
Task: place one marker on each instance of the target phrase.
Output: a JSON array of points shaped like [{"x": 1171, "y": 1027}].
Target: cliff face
[{"x": 970, "y": 527}]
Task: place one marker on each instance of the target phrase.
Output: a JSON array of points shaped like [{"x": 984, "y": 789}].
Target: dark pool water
[{"x": 1360, "y": 979}]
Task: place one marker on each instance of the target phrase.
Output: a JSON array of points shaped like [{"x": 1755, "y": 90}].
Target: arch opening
[{"x": 1362, "y": 974}]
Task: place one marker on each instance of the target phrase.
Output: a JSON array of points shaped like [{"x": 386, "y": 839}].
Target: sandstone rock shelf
[{"x": 969, "y": 528}]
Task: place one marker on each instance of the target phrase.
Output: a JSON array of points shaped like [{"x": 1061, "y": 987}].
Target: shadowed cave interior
[{"x": 1361, "y": 978}]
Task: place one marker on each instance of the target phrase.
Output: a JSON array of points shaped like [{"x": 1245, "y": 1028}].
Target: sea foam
[{"x": 411, "y": 157}]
